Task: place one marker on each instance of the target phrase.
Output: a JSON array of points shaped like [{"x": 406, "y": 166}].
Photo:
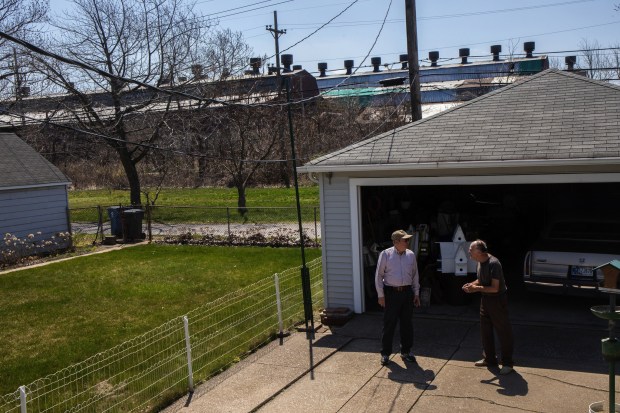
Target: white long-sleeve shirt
[{"x": 397, "y": 270}]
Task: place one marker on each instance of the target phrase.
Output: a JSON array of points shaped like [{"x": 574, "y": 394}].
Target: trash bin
[
  {"x": 132, "y": 223},
  {"x": 114, "y": 213}
]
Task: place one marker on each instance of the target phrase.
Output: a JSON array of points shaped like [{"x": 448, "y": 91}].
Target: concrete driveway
[{"x": 559, "y": 367}]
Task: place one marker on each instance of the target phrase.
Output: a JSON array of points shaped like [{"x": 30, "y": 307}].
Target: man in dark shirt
[
  {"x": 493, "y": 307},
  {"x": 398, "y": 287}
]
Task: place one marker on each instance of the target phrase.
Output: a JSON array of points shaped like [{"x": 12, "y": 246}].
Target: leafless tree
[
  {"x": 598, "y": 62},
  {"x": 17, "y": 18},
  {"x": 150, "y": 41},
  {"x": 614, "y": 60},
  {"x": 246, "y": 137},
  {"x": 226, "y": 53}
]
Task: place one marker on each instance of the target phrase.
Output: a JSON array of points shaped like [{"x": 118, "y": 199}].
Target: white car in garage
[{"x": 563, "y": 259}]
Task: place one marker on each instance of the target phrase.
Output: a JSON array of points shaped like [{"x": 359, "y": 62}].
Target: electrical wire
[
  {"x": 298, "y": 101},
  {"x": 372, "y": 132},
  {"x": 326, "y": 23},
  {"x": 143, "y": 145},
  {"x": 485, "y": 12},
  {"x": 84, "y": 66},
  {"x": 242, "y": 7},
  {"x": 256, "y": 8}
]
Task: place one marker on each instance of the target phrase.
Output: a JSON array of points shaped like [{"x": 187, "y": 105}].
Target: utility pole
[
  {"x": 276, "y": 35},
  {"x": 305, "y": 272},
  {"x": 412, "y": 53}
]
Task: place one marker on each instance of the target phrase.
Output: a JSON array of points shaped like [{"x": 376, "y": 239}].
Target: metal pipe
[
  {"x": 22, "y": 399},
  {"x": 276, "y": 281},
  {"x": 305, "y": 273},
  {"x": 188, "y": 349}
]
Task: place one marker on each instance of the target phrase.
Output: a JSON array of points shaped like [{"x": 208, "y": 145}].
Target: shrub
[
  {"x": 15, "y": 250},
  {"x": 280, "y": 238}
]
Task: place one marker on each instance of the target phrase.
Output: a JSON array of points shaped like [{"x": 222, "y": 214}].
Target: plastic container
[
  {"x": 132, "y": 223},
  {"x": 114, "y": 213},
  {"x": 598, "y": 407}
]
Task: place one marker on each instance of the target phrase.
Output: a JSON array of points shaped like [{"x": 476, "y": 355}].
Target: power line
[
  {"x": 242, "y": 7},
  {"x": 450, "y": 16},
  {"x": 256, "y": 8},
  {"x": 357, "y": 68},
  {"x": 103, "y": 73},
  {"x": 143, "y": 145},
  {"x": 325, "y": 24},
  {"x": 229, "y": 102},
  {"x": 484, "y": 12}
]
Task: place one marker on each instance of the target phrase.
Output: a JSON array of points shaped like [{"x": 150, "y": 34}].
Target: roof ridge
[{"x": 577, "y": 76}]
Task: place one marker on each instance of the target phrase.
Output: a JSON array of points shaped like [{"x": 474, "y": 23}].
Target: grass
[
  {"x": 64, "y": 312},
  {"x": 201, "y": 197},
  {"x": 205, "y": 205}
]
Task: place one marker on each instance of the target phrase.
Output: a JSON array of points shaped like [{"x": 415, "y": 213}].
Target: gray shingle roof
[
  {"x": 552, "y": 115},
  {"x": 22, "y": 166}
]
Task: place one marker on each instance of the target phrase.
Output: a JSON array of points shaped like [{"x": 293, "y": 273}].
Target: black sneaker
[
  {"x": 385, "y": 360},
  {"x": 408, "y": 357}
]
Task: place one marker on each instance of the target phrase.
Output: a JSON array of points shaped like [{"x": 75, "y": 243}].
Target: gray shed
[
  {"x": 503, "y": 163},
  {"x": 33, "y": 192}
]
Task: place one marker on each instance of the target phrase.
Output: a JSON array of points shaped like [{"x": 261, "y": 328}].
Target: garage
[{"x": 500, "y": 166}]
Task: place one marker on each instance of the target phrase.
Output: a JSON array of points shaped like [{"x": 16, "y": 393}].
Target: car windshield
[{"x": 594, "y": 231}]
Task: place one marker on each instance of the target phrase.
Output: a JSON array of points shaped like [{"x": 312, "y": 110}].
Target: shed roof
[
  {"x": 552, "y": 116},
  {"x": 21, "y": 166}
]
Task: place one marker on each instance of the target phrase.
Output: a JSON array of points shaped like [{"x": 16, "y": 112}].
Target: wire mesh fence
[
  {"x": 149, "y": 371},
  {"x": 218, "y": 225}
]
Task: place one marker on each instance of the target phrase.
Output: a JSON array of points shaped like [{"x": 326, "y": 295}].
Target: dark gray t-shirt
[{"x": 488, "y": 270}]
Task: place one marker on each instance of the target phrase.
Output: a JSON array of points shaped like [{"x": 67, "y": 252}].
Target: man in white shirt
[{"x": 398, "y": 287}]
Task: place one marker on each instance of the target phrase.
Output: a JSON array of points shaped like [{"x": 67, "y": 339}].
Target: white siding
[
  {"x": 29, "y": 211},
  {"x": 336, "y": 241}
]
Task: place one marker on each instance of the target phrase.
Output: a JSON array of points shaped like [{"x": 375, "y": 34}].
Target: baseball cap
[{"x": 400, "y": 234}]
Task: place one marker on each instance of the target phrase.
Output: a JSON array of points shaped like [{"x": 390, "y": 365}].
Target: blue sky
[{"x": 443, "y": 25}]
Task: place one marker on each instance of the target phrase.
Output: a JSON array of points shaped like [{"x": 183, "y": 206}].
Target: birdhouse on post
[{"x": 611, "y": 276}]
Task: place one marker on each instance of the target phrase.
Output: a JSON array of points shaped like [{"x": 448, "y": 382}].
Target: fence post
[
  {"x": 228, "y": 221},
  {"x": 70, "y": 229},
  {"x": 316, "y": 236},
  {"x": 148, "y": 222},
  {"x": 188, "y": 349},
  {"x": 99, "y": 224},
  {"x": 276, "y": 281},
  {"x": 22, "y": 399}
]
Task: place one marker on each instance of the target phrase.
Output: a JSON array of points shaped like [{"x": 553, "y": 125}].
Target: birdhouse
[
  {"x": 611, "y": 276},
  {"x": 459, "y": 235},
  {"x": 460, "y": 261}
]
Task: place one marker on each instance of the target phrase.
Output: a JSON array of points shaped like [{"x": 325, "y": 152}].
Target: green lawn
[
  {"x": 201, "y": 197},
  {"x": 64, "y": 312},
  {"x": 205, "y": 205}
]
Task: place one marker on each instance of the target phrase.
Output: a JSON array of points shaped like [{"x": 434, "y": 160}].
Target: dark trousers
[
  {"x": 494, "y": 317},
  {"x": 398, "y": 308}
]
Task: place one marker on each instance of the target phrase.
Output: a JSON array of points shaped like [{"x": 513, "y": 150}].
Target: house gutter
[
  {"x": 12, "y": 188},
  {"x": 460, "y": 165}
]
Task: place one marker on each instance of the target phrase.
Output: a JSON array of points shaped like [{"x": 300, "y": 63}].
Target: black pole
[
  {"x": 305, "y": 273},
  {"x": 412, "y": 52}
]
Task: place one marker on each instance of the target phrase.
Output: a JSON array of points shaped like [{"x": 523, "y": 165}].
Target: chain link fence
[{"x": 215, "y": 225}]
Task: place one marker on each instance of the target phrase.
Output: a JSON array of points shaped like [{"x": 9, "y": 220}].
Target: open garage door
[{"x": 509, "y": 216}]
